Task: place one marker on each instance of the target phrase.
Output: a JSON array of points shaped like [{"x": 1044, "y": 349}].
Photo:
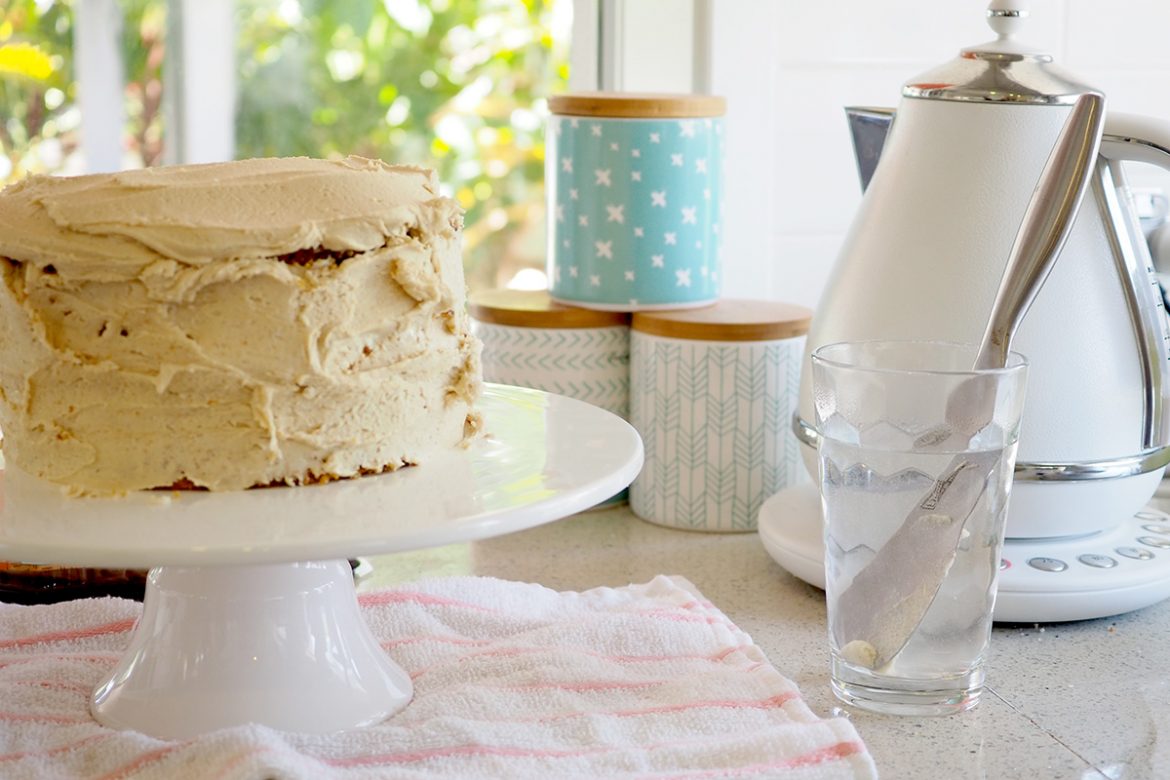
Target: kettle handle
[
  {"x": 1137, "y": 138},
  {"x": 1132, "y": 137}
]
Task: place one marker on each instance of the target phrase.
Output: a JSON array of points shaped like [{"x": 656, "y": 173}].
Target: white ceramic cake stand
[{"x": 251, "y": 614}]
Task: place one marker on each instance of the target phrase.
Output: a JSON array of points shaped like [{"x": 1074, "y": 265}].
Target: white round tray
[
  {"x": 790, "y": 529},
  {"x": 251, "y": 614}
]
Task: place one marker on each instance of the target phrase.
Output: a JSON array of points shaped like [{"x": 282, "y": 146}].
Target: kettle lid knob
[{"x": 1006, "y": 18}]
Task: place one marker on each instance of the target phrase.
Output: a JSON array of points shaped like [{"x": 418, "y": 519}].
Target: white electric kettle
[{"x": 926, "y": 250}]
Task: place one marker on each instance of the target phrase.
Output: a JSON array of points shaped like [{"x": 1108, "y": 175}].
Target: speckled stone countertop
[{"x": 1071, "y": 700}]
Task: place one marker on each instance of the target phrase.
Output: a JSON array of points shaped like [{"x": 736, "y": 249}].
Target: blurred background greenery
[{"x": 457, "y": 85}]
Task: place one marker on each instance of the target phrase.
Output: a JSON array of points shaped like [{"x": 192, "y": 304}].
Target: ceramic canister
[
  {"x": 634, "y": 187},
  {"x": 531, "y": 341},
  {"x": 712, "y": 392}
]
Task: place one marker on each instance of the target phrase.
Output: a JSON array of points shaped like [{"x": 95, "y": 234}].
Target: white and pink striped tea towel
[{"x": 512, "y": 680}]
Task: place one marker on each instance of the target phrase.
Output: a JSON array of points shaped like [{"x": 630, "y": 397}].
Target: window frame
[{"x": 641, "y": 46}]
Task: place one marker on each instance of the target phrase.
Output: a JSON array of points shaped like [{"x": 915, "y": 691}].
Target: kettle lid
[{"x": 1000, "y": 71}]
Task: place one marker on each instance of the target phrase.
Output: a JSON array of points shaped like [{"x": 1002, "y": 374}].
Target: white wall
[{"x": 788, "y": 68}]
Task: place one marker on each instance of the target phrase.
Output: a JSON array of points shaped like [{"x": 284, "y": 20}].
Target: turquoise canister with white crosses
[{"x": 634, "y": 187}]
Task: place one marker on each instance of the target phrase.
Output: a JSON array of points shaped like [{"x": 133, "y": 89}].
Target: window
[{"x": 458, "y": 85}]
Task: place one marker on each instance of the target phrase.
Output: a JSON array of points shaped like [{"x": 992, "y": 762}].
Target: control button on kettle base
[
  {"x": 1157, "y": 528},
  {"x": 1155, "y": 541},
  {"x": 1137, "y": 553},
  {"x": 1097, "y": 561},
  {"x": 1047, "y": 564}
]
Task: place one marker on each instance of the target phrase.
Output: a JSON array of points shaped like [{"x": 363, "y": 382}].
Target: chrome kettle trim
[
  {"x": 998, "y": 77},
  {"x": 1080, "y": 471},
  {"x": 999, "y": 71}
]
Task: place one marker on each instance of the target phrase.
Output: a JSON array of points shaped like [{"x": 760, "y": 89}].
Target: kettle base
[{"x": 1040, "y": 580}]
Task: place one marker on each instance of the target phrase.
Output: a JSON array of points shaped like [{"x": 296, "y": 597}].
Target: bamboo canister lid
[
  {"x": 637, "y": 105},
  {"x": 535, "y": 309},
  {"x": 728, "y": 320}
]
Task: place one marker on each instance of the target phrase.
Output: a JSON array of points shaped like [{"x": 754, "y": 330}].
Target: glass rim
[{"x": 1016, "y": 362}]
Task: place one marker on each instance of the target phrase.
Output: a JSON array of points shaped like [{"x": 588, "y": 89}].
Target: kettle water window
[{"x": 458, "y": 86}]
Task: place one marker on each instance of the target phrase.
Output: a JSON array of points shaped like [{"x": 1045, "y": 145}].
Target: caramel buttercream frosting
[{"x": 230, "y": 325}]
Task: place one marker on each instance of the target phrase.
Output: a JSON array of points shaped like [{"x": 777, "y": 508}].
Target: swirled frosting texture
[{"x": 232, "y": 324}]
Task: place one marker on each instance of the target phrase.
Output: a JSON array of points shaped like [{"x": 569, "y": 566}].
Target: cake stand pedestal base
[{"x": 281, "y": 644}]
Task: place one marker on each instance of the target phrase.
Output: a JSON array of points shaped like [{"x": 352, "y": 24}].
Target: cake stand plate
[{"x": 250, "y": 615}]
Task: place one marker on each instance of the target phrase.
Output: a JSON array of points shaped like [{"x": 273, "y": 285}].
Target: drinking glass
[{"x": 916, "y": 456}]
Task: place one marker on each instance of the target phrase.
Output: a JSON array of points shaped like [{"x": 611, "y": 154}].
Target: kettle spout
[{"x": 869, "y": 127}]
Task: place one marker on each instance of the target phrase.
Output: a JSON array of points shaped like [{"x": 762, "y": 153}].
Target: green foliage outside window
[
  {"x": 457, "y": 85},
  {"x": 37, "y": 123},
  {"x": 39, "y": 119}
]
